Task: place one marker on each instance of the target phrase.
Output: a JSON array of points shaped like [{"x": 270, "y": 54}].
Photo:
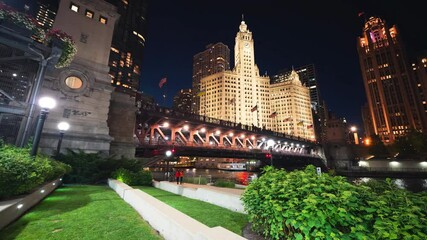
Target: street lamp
[
  {"x": 168, "y": 154},
  {"x": 62, "y": 126},
  {"x": 270, "y": 144},
  {"x": 46, "y": 103},
  {"x": 353, "y": 129}
]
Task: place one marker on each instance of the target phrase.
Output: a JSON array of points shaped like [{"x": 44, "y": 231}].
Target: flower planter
[{"x": 16, "y": 28}]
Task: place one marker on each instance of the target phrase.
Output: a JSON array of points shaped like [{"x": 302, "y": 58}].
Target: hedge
[
  {"x": 140, "y": 178},
  {"x": 20, "y": 173}
]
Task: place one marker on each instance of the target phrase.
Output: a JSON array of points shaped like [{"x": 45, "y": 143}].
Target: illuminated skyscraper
[
  {"x": 182, "y": 101},
  {"x": 388, "y": 81},
  {"x": 46, "y": 13},
  {"x": 216, "y": 58},
  {"x": 240, "y": 95},
  {"x": 308, "y": 78},
  {"x": 128, "y": 44},
  {"x": 290, "y": 100}
]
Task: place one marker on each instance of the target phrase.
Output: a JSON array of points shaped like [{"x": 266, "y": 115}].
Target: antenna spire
[{"x": 243, "y": 18}]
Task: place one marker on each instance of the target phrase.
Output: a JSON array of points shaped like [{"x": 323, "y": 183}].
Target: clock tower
[
  {"x": 240, "y": 95},
  {"x": 244, "y": 58}
]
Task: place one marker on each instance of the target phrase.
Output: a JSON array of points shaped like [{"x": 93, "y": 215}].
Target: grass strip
[
  {"x": 81, "y": 212},
  {"x": 206, "y": 213}
]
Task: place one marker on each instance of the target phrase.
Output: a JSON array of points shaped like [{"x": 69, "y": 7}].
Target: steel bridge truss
[{"x": 159, "y": 126}]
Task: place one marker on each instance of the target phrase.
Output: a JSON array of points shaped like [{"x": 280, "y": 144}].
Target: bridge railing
[{"x": 205, "y": 119}]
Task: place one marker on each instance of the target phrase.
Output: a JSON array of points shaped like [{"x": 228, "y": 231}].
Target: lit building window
[
  {"x": 73, "y": 82},
  {"x": 74, "y": 7},
  {"x": 103, "y": 19},
  {"x": 114, "y": 50},
  {"x": 89, "y": 14}
]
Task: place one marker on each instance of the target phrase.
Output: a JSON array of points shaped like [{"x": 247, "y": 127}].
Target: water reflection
[
  {"x": 410, "y": 184},
  {"x": 240, "y": 177}
]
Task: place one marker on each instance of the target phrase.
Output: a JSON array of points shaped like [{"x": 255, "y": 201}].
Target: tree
[
  {"x": 414, "y": 143},
  {"x": 377, "y": 148}
]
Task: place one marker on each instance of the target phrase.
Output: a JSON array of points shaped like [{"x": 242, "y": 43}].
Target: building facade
[
  {"x": 46, "y": 13},
  {"x": 420, "y": 75},
  {"x": 308, "y": 78},
  {"x": 290, "y": 100},
  {"x": 82, "y": 90},
  {"x": 215, "y": 59},
  {"x": 182, "y": 101},
  {"x": 128, "y": 44},
  {"x": 240, "y": 95},
  {"x": 389, "y": 85}
]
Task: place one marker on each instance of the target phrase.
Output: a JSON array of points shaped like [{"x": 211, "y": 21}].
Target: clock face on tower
[{"x": 246, "y": 45}]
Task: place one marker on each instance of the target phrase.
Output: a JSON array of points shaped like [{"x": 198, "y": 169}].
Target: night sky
[{"x": 286, "y": 34}]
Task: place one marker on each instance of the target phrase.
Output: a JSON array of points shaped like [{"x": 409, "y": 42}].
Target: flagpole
[
  {"x": 257, "y": 114},
  {"x": 235, "y": 110}
]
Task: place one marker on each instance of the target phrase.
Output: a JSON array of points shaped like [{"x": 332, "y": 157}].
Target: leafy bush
[
  {"x": 141, "y": 178},
  {"x": 224, "y": 183},
  {"x": 398, "y": 214},
  {"x": 303, "y": 205},
  {"x": 92, "y": 168},
  {"x": 20, "y": 173}
]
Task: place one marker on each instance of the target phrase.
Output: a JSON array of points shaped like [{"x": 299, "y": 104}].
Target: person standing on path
[
  {"x": 181, "y": 176},
  {"x": 177, "y": 176}
]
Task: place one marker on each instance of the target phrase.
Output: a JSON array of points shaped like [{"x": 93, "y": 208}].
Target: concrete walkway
[{"x": 228, "y": 198}]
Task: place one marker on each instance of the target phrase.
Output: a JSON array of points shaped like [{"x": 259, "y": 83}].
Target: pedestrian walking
[
  {"x": 177, "y": 176},
  {"x": 181, "y": 176}
]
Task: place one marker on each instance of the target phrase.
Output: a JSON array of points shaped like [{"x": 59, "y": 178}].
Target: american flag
[
  {"x": 309, "y": 126},
  {"x": 162, "y": 82},
  {"x": 254, "y": 108},
  {"x": 273, "y": 115},
  {"x": 287, "y": 119}
]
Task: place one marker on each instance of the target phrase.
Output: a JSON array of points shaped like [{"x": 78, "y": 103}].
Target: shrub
[
  {"x": 20, "y": 173},
  {"x": 303, "y": 205},
  {"x": 93, "y": 168},
  {"x": 224, "y": 183},
  {"x": 140, "y": 178}
]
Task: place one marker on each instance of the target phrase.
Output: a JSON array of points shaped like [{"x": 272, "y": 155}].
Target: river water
[{"x": 244, "y": 177}]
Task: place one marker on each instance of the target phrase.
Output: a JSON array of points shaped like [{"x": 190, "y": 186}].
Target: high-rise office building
[
  {"x": 46, "y": 13},
  {"x": 128, "y": 44},
  {"x": 240, "y": 95},
  {"x": 420, "y": 73},
  {"x": 290, "y": 101},
  {"x": 216, "y": 58},
  {"x": 388, "y": 81},
  {"x": 367, "y": 121},
  {"x": 182, "y": 101},
  {"x": 308, "y": 78}
]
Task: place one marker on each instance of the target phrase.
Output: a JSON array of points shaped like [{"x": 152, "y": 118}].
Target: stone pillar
[{"x": 121, "y": 121}]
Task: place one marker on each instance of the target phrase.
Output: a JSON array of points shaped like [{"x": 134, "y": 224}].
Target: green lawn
[
  {"x": 206, "y": 213},
  {"x": 81, "y": 212}
]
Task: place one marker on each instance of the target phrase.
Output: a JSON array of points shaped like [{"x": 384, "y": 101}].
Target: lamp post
[
  {"x": 62, "y": 126},
  {"x": 46, "y": 103},
  {"x": 270, "y": 144},
  {"x": 168, "y": 153},
  {"x": 353, "y": 129}
]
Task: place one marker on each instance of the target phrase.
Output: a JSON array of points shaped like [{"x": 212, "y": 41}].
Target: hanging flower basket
[
  {"x": 25, "y": 25},
  {"x": 19, "y": 22},
  {"x": 63, "y": 41}
]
